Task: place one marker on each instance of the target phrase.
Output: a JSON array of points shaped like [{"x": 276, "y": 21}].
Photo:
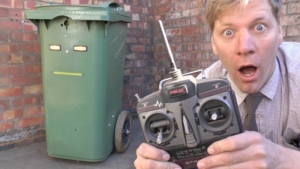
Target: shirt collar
[
  {"x": 240, "y": 96},
  {"x": 268, "y": 90}
]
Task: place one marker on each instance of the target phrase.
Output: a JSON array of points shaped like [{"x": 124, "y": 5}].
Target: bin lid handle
[{"x": 111, "y": 5}]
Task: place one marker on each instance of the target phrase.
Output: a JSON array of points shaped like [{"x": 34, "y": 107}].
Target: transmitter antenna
[{"x": 176, "y": 73}]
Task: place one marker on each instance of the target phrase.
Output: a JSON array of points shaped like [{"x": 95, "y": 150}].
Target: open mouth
[{"x": 248, "y": 70}]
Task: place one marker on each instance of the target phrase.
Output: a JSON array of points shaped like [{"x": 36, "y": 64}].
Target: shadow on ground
[{"x": 35, "y": 156}]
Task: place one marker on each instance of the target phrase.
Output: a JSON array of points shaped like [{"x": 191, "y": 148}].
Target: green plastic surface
[{"x": 82, "y": 90}]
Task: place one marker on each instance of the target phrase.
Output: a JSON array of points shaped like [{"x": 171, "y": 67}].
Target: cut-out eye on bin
[
  {"x": 55, "y": 47},
  {"x": 80, "y": 48}
]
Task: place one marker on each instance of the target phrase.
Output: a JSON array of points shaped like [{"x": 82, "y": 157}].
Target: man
[{"x": 247, "y": 38}]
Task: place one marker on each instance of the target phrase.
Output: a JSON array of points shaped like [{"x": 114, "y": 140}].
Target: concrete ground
[{"x": 35, "y": 156}]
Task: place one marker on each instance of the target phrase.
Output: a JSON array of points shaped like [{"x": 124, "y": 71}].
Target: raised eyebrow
[
  {"x": 259, "y": 19},
  {"x": 225, "y": 26}
]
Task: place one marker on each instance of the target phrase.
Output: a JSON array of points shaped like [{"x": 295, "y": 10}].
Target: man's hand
[
  {"x": 248, "y": 150},
  {"x": 149, "y": 157}
]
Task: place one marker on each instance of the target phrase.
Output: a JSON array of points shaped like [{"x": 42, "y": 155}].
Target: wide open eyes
[
  {"x": 259, "y": 27},
  {"x": 228, "y": 32}
]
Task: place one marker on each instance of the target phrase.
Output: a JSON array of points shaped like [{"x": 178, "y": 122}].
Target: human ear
[
  {"x": 280, "y": 35},
  {"x": 214, "y": 46}
]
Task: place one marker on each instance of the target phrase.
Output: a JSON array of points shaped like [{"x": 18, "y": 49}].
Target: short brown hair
[{"x": 214, "y": 7}]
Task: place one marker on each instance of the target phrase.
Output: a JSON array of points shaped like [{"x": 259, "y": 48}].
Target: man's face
[{"x": 246, "y": 42}]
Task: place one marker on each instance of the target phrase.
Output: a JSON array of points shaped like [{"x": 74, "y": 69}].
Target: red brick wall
[
  {"x": 291, "y": 20},
  {"x": 21, "y": 97},
  {"x": 21, "y": 108},
  {"x": 189, "y": 37},
  {"x": 187, "y": 34},
  {"x": 138, "y": 73},
  {"x": 146, "y": 61}
]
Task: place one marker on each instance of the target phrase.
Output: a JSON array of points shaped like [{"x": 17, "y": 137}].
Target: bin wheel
[{"x": 123, "y": 131}]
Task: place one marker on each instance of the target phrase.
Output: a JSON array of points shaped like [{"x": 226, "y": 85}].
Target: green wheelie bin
[{"x": 82, "y": 53}]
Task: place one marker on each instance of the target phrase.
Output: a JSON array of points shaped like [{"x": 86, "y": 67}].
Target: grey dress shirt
[{"x": 278, "y": 115}]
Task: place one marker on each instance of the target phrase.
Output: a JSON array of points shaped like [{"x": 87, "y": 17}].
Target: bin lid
[{"x": 108, "y": 11}]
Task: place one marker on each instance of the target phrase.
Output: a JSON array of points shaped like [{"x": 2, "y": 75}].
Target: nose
[{"x": 245, "y": 43}]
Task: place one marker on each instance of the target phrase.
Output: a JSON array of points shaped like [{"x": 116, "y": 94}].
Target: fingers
[
  {"x": 234, "y": 143},
  {"x": 248, "y": 147},
  {"x": 142, "y": 163},
  {"x": 149, "y": 157},
  {"x": 148, "y": 151},
  {"x": 226, "y": 159},
  {"x": 244, "y": 165}
]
